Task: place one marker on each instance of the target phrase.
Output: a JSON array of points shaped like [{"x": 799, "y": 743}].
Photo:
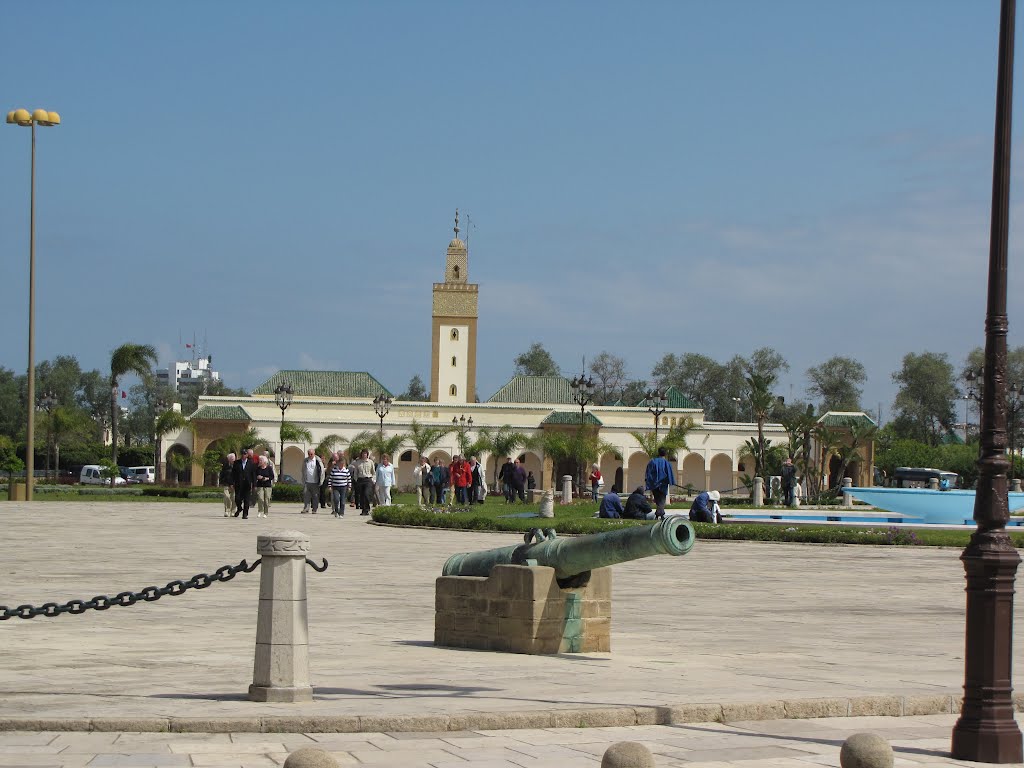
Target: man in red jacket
[{"x": 461, "y": 478}]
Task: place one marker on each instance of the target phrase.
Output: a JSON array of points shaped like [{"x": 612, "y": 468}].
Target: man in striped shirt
[{"x": 341, "y": 481}]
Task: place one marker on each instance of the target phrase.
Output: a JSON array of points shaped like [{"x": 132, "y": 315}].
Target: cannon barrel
[{"x": 573, "y": 556}]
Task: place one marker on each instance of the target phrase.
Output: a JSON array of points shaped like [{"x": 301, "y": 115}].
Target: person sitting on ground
[
  {"x": 637, "y": 506},
  {"x": 611, "y": 505},
  {"x": 705, "y": 507}
]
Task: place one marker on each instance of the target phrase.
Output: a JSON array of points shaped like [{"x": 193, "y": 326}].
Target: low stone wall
[{"x": 521, "y": 609}]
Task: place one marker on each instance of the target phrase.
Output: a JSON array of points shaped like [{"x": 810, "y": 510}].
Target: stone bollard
[
  {"x": 866, "y": 750},
  {"x": 933, "y": 483},
  {"x": 627, "y": 754},
  {"x": 758, "y": 494},
  {"x": 281, "y": 667},
  {"x": 1016, "y": 485},
  {"x": 310, "y": 757},
  {"x": 847, "y": 496},
  {"x": 547, "y": 504},
  {"x": 566, "y": 489}
]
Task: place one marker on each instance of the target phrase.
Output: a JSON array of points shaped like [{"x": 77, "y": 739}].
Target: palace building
[{"x": 341, "y": 403}]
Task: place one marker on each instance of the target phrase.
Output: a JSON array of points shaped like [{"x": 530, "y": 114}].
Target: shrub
[
  {"x": 174, "y": 493},
  {"x": 282, "y": 492}
]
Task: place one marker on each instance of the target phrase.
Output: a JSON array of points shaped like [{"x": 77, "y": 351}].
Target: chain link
[{"x": 124, "y": 599}]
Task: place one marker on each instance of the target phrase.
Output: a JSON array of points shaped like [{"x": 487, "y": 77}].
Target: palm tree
[
  {"x": 673, "y": 441},
  {"x": 168, "y": 421},
  {"x": 387, "y": 445},
  {"x": 363, "y": 441},
  {"x": 581, "y": 446},
  {"x": 848, "y": 449},
  {"x": 237, "y": 441},
  {"x": 504, "y": 441},
  {"x": 761, "y": 403},
  {"x": 179, "y": 463},
  {"x": 424, "y": 438},
  {"x": 329, "y": 444},
  {"x": 128, "y": 358}
]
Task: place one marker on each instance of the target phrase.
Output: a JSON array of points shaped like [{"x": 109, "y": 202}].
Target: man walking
[
  {"x": 243, "y": 478},
  {"x": 227, "y": 482},
  {"x": 659, "y": 477},
  {"x": 505, "y": 478},
  {"x": 313, "y": 475},
  {"x": 363, "y": 474},
  {"x": 788, "y": 481}
]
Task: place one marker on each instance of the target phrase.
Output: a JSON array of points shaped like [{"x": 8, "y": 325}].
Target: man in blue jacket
[
  {"x": 611, "y": 505},
  {"x": 659, "y": 477}
]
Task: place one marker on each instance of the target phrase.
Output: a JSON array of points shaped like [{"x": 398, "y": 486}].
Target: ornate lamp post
[
  {"x": 463, "y": 425},
  {"x": 582, "y": 393},
  {"x": 657, "y": 403},
  {"x": 24, "y": 118},
  {"x": 47, "y": 402},
  {"x": 283, "y": 395},
  {"x": 158, "y": 408},
  {"x": 381, "y": 405},
  {"x": 986, "y": 731}
]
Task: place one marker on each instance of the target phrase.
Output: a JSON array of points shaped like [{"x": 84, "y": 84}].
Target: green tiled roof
[
  {"x": 846, "y": 419},
  {"x": 676, "y": 399},
  {"x": 571, "y": 417},
  {"x": 324, "y": 384},
  {"x": 534, "y": 389},
  {"x": 222, "y": 413}
]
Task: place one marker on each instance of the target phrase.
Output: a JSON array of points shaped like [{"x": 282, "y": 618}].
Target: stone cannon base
[{"x": 521, "y": 609}]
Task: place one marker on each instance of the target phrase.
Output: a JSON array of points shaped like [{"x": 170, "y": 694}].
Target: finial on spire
[{"x": 456, "y": 223}]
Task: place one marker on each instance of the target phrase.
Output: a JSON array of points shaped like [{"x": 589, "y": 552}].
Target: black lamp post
[
  {"x": 583, "y": 393},
  {"x": 972, "y": 375},
  {"x": 158, "y": 408},
  {"x": 47, "y": 402},
  {"x": 382, "y": 404},
  {"x": 283, "y": 394},
  {"x": 657, "y": 403},
  {"x": 986, "y": 731},
  {"x": 463, "y": 425}
]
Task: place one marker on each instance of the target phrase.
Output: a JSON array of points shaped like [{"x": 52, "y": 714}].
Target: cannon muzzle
[{"x": 578, "y": 555}]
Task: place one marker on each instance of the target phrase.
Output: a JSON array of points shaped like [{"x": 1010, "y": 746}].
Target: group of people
[
  {"x": 658, "y": 478},
  {"x": 367, "y": 483},
  {"x": 515, "y": 480},
  {"x": 464, "y": 478},
  {"x": 247, "y": 481}
]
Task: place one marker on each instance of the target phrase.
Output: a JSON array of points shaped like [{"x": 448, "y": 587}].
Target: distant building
[{"x": 194, "y": 375}]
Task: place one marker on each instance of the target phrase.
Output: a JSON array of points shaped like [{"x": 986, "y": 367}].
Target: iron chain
[{"x": 124, "y": 599}]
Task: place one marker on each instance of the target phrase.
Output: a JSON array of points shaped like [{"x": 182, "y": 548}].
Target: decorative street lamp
[
  {"x": 463, "y": 425},
  {"x": 30, "y": 120},
  {"x": 657, "y": 403},
  {"x": 283, "y": 395},
  {"x": 382, "y": 404},
  {"x": 47, "y": 402},
  {"x": 158, "y": 408},
  {"x": 582, "y": 393},
  {"x": 987, "y": 731}
]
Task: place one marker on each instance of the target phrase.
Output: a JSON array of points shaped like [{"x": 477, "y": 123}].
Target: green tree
[
  {"x": 415, "y": 391},
  {"x": 167, "y": 422},
  {"x": 762, "y": 401},
  {"x": 236, "y": 442},
  {"x": 68, "y": 424},
  {"x": 849, "y": 446},
  {"x": 10, "y": 462},
  {"x": 536, "y": 361},
  {"x": 388, "y": 445},
  {"x": 423, "y": 438},
  {"x": 837, "y": 384},
  {"x": 719, "y": 388},
  {"x": 609, "y": 373},
  {"x": 924, "y": 404},
  {"x": 128, "y": 358},
  {"x": 329, "y": 444},
  {"x": 178, "y": 463},
  {"x": 672, "y": 441},
  {"x": 581, "y": 445}
]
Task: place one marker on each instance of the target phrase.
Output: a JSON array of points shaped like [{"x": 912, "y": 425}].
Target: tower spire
[{"x": 456, "y": 223}]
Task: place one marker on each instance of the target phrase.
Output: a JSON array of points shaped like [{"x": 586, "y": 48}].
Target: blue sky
[{"x": 643, "y": 178}]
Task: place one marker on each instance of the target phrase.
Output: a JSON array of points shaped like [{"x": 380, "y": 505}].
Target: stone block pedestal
[{"x": 522, "y": 609}]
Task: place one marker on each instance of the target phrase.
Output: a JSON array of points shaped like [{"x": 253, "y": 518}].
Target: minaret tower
[{"x": 453, "y": 345}]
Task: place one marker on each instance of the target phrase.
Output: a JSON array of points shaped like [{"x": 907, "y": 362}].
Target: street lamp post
[
  {"x": 158, "y": 408},
  {"x": 381, "y": 405},
  {"x": 463, "y": 425},
  {"x": 972, "y": 375},
  {"x": 48, "y": 401},
  {"x": 986, "y": 730},
  {"x": 283, "y": 395},
  {"x": 583, "y": 393},
  {"x": 657, "y": 403},
  {"x": 24, "y": 118}
]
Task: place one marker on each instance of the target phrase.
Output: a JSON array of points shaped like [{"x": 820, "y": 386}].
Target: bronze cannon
[{"x": 572, "y": 557}]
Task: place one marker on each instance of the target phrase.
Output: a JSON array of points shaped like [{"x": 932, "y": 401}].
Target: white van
[
  {"x": 142, "y": 474},
  {"x": 92, "y": 474}
]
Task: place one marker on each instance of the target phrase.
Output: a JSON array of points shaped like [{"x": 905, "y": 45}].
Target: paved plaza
[{"x": 742, "y": 631}]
